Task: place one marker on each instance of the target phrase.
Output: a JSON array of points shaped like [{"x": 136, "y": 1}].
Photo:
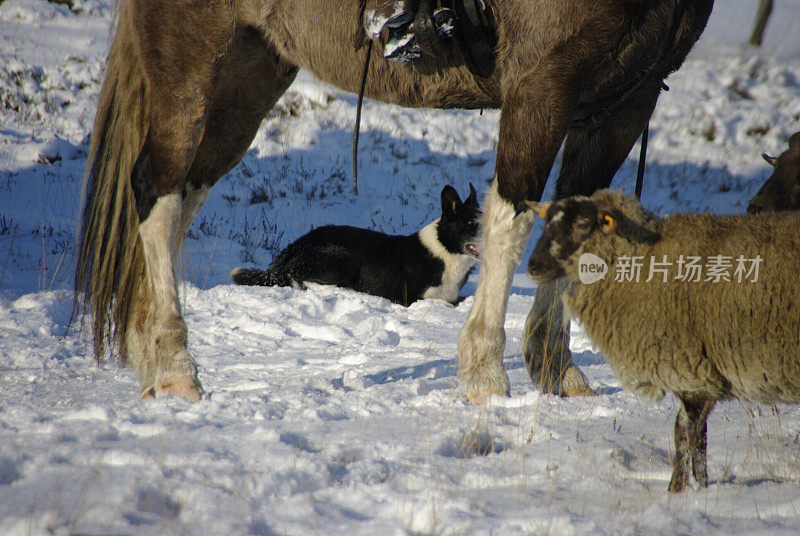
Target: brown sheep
[
  {"x": 701, "y": 340},
  {"x": 782, "y": 189}
]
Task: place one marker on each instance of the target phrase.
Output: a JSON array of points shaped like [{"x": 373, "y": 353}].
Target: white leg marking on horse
[
  {"x": 482, "y": 339},
  {"x": 158, "y": 233},
  {"x": 165, "y": 332}
]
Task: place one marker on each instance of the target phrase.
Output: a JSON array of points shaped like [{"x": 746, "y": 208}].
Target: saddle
[{"x": 433, "y": 28}]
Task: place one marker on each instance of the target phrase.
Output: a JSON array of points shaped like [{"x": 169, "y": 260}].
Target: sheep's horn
[{"x": 539, "y": 207}]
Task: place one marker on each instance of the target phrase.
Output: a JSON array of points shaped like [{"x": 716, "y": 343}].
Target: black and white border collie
[{"x": 432, "y": 263}]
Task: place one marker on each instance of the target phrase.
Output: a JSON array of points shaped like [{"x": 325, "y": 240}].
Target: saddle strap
[{"x": 477, "y": 34}]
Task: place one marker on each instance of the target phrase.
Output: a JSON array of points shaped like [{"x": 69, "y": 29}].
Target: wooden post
[{"x": 764, "y": 11}]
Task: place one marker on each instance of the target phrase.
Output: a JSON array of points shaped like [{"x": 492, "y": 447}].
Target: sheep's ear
[
  {"x": 794, "y": 141},
  {"x": 608, "y": 223},
  {"x": 769, "y": 159},
  {"x": 539, "y": 207}
]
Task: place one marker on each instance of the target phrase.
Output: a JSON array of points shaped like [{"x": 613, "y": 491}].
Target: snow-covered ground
[{"x": 331, "y": 412}]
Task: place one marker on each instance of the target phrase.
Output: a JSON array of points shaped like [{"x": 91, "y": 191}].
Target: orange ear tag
[
  {"x": 543, "y": 213},
  {"x": 610, "y": 225}
]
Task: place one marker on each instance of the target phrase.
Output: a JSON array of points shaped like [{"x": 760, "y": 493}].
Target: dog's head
[{"x": 460, "y": 222}]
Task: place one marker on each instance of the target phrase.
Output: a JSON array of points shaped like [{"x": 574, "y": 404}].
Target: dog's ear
[
  {"x": 450, "y": 200},
  {"x": 473, "y": 196}
]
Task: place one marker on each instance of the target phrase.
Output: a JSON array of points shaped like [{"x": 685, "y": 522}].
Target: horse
[{"x": 188, "y": 82}]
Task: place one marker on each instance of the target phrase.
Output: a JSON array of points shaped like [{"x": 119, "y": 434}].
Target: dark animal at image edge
[
  {"x": 431, "y": 263},
  {"x": 782, "y": 190},
  {"x": 187, "y": 85},
  {"x": 703, "y": 341}
]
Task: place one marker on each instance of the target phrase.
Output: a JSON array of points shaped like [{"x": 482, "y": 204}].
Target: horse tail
[{"x": 110, "y": 260}]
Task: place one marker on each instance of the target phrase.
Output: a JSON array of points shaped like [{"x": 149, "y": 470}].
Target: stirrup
[
  {"x": 402, "y": 46},
  {"x": 444, "y": 19}
]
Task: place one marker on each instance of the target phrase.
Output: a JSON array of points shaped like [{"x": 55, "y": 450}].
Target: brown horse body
[{"x": 188, "y": 83}]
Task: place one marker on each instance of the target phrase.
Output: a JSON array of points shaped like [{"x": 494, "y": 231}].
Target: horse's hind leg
[
  {"x": 179, "y": 52},
  {"x": 243, "y": 85},
  {"x": 157, "y": 344},
  {"x": 591, "y": 158},
  {"x": 248, "y": 81}
]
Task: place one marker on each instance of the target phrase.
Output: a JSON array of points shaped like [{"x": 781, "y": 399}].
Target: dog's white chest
[
  {"x": 456, "y": 266},
  {"x": 454, "y": 272}
]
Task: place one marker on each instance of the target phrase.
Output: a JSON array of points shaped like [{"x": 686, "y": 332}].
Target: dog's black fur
[{"x": 432, "y": 263}]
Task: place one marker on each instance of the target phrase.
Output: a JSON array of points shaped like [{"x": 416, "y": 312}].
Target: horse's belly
[{"x": 319, "y": 37}]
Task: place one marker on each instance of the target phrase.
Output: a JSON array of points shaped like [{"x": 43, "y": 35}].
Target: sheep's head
[
  {"x": 603, "y": 225},
  {"x": 782, "y": 189}
]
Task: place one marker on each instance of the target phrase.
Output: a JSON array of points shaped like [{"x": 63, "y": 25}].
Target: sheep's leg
[
  {"x": 680, "y": 463},
  {"x": 691, "y": 427},
  {"x": 699, "y": 411},
  {"x": 592, "y": 154}
]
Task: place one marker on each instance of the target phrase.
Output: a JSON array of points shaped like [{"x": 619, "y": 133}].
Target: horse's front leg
[
  {"x": 536, "y": 112},
  {"x": 482, "y": 340},
  {"x": 591, "y": 157}
]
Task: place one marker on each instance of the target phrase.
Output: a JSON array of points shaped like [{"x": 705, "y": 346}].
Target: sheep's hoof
[
  {"x": 583, "y": 390},
  {"x": 701, "y": 476}
]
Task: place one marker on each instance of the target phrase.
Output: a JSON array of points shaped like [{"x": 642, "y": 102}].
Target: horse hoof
[
  {"x": 583, "y": 390},
  {"x": 479, "y": 390},
  {"x": 481, "y": 397},
  {"x": 184, "y": 386},
  {"x": 677, "y": 485},
  {"x": 574, "y": 383}
]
